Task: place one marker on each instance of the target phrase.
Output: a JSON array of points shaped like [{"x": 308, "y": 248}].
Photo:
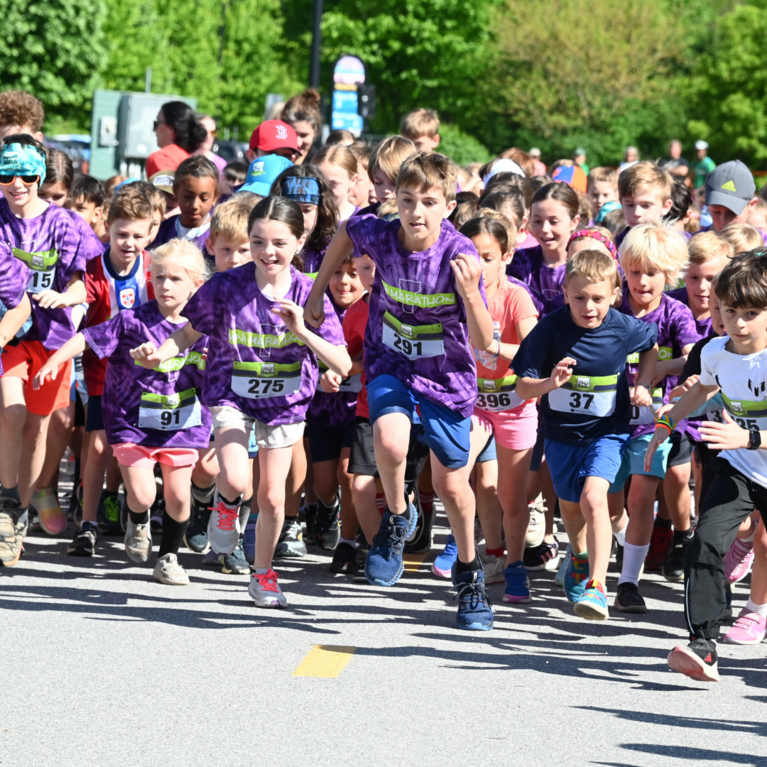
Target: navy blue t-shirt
[{"x": 595, "y": 401}]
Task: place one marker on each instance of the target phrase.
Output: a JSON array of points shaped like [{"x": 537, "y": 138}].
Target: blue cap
[
  {"x": 263, "y": 171},
  {"x": 126, "y": 182},
  {"x": 301, "y": 189},
  {"x": 608, "y": 207},
  {"x": 22, "y": 160}
]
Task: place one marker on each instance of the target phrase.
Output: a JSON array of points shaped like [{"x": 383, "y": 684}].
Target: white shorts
[{"x": 270, "y": 436}]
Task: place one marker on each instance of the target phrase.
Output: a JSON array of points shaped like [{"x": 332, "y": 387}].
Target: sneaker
[
  {"x": 211, "y": 559},
  {"x": 517, "y": 584},
  {"x": 249, "y": 538},
  {"x": 474, "y": 611},
  {"x": 13, "y": 528},
  {"x": 169, "y": 571},
  {"x": 628, "y": 599},
  {"x": 543, "y": 557},
  {"x": 443, "y": 564},
  {"x": 52, "y": 518},
  {"x": 559, "y": 578},
  {"x": 738, "y": 561},
  {"x": 310, "y": 512},
  {"x": 85, "y": 540},
  {"x": 576, "y": 577},
  {"x": 358, "y": 573},
  {"x": 291, "y": 541},
  {"x": 420, "y": 541},
  {"x": 223, "y": 527},
  {"x": 344, "y": 559},
  {"x": 196, "y": 535},
  {"x": 698, "y": 660},
  {"x": 593, "y": 604},
  {"x": 660, "y": 543},
  {"x": 138, "y": 542},
  {"x": 492, "y": 567},
  {"x": 265, "y": 591},
  {"x": 536, "y": 530},
  {"x": 75, "y": 505},
  {"x": 235, "y": 562},
  {"x": 749, "y": 628},
  {"x": 110, "y": 514},
  {"x": 327, "y": 525},
  {"x": 673, "y": 564},
  {"x": 384, "y": 565}
]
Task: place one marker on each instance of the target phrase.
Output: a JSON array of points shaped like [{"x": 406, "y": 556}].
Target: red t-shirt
[
  {"x": 167, "y": 158},
  {"x": 355, "y": 322}
]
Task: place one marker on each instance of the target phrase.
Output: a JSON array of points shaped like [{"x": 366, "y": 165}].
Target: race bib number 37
[{"x": 587, "y": 395}]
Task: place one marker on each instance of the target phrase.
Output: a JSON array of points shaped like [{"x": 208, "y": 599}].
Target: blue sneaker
[
  {"x": 384, "y": 565},
  {"x": 576, "y": 577},
  {"x": 249, "y": 539},
  {"x": 593, "y": 604},
  {"x": 517, "y": 584},
  {"x": 474, "y": 611},
  {"x": 443, "y": 564},
  {"x": 235, "y": 562}
]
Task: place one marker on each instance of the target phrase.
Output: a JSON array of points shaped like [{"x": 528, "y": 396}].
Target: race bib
[
  {"x": 413, "y": 341},
  {"x": 172, "y": 412},
  {"x": 586, "y": 395},
  {"x": 42, "y": 267},
  {"x": 498, "y": 394},
  {"x": 349, "y": 385},
  {"x": 664, "y": 353},
  {"x": 263, "y": 380},
  {"x": 748, "y": 415},
  {"x": 641, "y": 416}
]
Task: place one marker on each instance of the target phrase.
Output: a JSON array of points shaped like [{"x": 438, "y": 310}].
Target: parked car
[{"x": 231, "y": 150}]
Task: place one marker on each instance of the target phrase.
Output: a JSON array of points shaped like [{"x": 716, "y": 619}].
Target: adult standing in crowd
[
  {"x": 179, "y": 134},
  {"x": 675, "y": 164},
  {"x": 302, "y": 113}
]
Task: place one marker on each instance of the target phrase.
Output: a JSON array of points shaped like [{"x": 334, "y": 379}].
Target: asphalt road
[{"x": 103, "y": 666}]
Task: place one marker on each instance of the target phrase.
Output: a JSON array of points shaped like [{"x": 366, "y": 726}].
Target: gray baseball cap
[{"x": 731, "y": 185}]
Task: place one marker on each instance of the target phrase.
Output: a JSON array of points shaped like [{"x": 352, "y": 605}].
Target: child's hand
[
  {"x": 661, "y": 371},
  {"x": 50, "y": 299},
  {"x": 314, "y": 311},
  {"x": 562, "y": 372},
  {"x": 724, "y": 436},
  {"x": 467, "y": 272},
  {"x": 46, "y": 371},
  {"x": 640, "y": 396},
  {"x": 292, "y": 315},
  {"x": 146, "y": 356},
  {"x": 663, "y": 409},
  {"x": 331, "y": 382},
  {"x": 683, "y": 387},
  {"x": 660, "y": 436}
]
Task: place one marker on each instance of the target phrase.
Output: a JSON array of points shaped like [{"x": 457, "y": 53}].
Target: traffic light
[{"x": 366, "y": 106}]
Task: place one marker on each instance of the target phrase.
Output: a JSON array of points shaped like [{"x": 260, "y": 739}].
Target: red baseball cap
[{"x": 274, "y": 134}]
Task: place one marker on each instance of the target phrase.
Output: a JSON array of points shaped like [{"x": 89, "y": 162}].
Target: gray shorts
[{"x": 267, "y": 436}]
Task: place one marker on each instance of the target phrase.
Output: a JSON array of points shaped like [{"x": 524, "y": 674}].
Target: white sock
[
  {"x": 751, "y": 537},
  {"x": 620, "y": 536},
  {"x": 633, "y": 559},
  {"x": 350, "y": 542},
  {"x": 752, "y": 607}
]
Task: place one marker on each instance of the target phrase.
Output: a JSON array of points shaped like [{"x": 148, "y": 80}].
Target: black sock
[
  {"x": 76, "y": 478},
  {"x": 138, "y": 518},
  {"x": 203, "y": 494},
  {"x": 11, "y": 492},
  {"x": 662, "y": 522},
  {"x": 682, "y": 534},
  {"x": 464, "y": 567},
  {"x": 245, "y": 508},
  {"x": 172, "y": 534},
  {"x": 236, "y": 502}
]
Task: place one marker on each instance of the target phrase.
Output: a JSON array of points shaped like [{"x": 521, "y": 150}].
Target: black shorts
[
  {"x": 326, "y": 444},
  {"x": 79, "y": 411},
  {"x": 681, "y": 450},
  {"x": 94, "y": 422},
  {"x": 363, "y": 456}
]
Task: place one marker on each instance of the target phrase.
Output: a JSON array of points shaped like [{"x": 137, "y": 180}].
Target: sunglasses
[
  {"x": 8, "y": 180},
  {"x": 158, "y": 122}
]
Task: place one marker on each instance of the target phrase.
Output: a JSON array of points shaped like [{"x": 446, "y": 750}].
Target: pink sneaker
[
  {"x": 52, "y": 518},
  {"x": 738, "y": 561},
  {"x": 748, "y": 629}
]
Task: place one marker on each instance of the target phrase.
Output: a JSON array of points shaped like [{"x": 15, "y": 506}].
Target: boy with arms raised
[
  {"x": 575, "y": 359},
  {"x": 427, "y": 303},
  {"x": 736, "y": 366}
]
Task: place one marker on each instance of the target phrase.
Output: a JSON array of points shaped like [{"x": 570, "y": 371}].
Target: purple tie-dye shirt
[
  {"x": 54, "y": 247},
  {"x": 13, "y": 284},
  {"x": 704, "y": 324},
  {"x": 544, "y": 282},
  {"x": 154, "y": 408},
  {"x": 417, "y": 328},
  {"x": 255, "y": 364}
]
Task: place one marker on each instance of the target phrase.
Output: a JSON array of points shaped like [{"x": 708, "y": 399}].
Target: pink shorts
[
  {"x": 513, "y": 429},
  {"x": 140, "y": 457}
]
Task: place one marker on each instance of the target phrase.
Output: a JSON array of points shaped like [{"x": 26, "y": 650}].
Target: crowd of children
[{"x": 310, "y": 352}]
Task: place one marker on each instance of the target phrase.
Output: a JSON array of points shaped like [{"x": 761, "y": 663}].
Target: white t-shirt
[{"x": 742, "y": 379}]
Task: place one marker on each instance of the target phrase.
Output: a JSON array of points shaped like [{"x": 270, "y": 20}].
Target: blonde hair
[
  {"x": 602, "y": 175},
  {"x": 593, "y": 266},
  {"x": 645, "y": 175},
  {"x": 337, "y": 154},
  {"x": 655, "y": 246},
  {"x": 708, "y": 246},
  {"x": 389, "y": 155},
  {"x": 187, "y": 253},
  {"x": 425, "y": 170},
  {"x": 420, "y": 122},
  {"x": 230, "y": 220},
  {"x": 742, "y": 237}
]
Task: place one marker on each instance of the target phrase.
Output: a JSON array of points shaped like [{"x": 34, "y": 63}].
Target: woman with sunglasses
[
  {"x": 179, "y": 135},
  {"x": 206, "y": 148}
]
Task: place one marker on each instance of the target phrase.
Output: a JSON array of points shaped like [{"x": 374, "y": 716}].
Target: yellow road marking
[
  {"x": 325, "y": 661},
  {"x": 414, "y": 561}
]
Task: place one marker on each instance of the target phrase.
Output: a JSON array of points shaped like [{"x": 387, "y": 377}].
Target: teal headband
[{"x": 22, "y": 160}]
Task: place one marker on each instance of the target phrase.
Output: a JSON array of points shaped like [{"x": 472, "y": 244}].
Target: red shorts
[
  {"x": 23, "y": 361},
  {"x": 140, "y": 457}
]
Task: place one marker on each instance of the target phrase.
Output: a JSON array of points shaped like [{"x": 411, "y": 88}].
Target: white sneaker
[
  {"x": 265, "y": 591},
  {"x": 224, "y": 528},
  {"x": 536, "y": 530},
  {"x": 138, "y": 542},
  {"x": 169, "y": 571},
  {"x": 493, "y": 568}
]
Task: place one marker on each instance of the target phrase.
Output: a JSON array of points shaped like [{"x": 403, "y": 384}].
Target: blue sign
[{"x": 348, "y": 74}]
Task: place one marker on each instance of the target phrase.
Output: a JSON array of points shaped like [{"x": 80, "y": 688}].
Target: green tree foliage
[
  {"x": 53, "y": 49},
  {"x": 461, "y": 147}
]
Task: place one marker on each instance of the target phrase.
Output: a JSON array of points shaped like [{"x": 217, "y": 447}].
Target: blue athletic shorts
[
  {"x": 633, "y": 461},
  {"x": 489, "y": 452},
  {"x": 570, "y": 465},
  {"x": 444, "y": 431}
]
